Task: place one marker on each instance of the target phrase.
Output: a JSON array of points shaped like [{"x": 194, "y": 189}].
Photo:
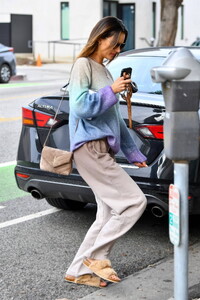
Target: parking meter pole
[{"x": 181, "y": 172}]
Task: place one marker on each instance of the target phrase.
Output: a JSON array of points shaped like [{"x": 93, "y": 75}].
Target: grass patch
[{"x": 9, "y": 189}]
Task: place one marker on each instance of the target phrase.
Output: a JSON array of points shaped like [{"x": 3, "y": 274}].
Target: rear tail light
[
  {"x": 27, "y": 117},
  {"x": 11, "y": 50},
  {"x": 25, "y": 176},
  {"x": 30, "y": 118},
  {"x": 151, "y": 131}
]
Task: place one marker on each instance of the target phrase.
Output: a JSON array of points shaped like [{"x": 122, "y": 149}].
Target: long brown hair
[{"x": 106, "y": 27}]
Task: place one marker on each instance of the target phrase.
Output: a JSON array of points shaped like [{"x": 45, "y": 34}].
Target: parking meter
[{"x": 180, "y": 79}]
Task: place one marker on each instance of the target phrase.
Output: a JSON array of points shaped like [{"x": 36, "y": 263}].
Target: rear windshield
[{"x": 141, "y": 67}]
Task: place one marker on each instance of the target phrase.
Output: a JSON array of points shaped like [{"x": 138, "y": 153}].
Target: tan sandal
[
  {"x": 86, "y": 279},
  {"x": 101, "y": 268}
]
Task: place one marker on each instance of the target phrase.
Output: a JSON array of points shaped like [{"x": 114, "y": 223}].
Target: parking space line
[
  {"x": 24, "y": 84},
  {"x": 27, "y": 96},
  {"x": 8, "y": 163},
  {"x": 2, "y": 206},
  {"x": 10, "y": 119},
  {"x": 29, "y": 217}
]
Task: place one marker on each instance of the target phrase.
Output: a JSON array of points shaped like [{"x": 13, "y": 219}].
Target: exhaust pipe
[
  {"x": 158, "y": 211},
  {"x": 36, "y": 194}
]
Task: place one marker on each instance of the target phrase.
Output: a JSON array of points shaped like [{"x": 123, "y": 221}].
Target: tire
[
  {"x": 5, "y": 73},
  {"x": 65, "y": 203}
]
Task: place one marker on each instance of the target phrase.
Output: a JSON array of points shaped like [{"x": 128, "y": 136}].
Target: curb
[{"x": 154, "y": 282}]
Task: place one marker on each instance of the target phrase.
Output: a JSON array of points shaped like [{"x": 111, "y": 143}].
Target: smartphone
[{"x": 126, "y": 71}]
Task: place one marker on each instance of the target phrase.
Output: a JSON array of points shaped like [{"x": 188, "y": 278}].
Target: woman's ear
[{"x": 100, "y": 41}]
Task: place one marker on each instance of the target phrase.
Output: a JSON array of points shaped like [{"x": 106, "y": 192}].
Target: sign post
[{"x": 181, "y": 172}]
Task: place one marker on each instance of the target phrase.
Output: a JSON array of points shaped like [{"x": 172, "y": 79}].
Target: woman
[{"x": 97, "y": 132}]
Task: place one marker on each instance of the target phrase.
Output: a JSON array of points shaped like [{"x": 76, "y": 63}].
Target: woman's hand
[
  {"x": 120, "y": 84},
  {"x": 141, "y": 165}
]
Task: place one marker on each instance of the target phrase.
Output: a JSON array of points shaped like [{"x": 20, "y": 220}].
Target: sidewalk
[
  {"x": 32, "y": 72},
  {"x": 153, "y": 283},
  {"x": 65, "y": 67}
]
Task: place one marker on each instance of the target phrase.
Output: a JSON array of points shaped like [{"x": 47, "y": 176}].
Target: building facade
[{"x": 57, "y": 30}]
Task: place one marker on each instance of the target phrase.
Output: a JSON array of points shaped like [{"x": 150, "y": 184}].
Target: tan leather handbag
[{"x": 56, "y": 160}]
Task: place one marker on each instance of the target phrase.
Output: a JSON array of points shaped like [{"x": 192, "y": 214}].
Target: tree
[{"x": 168, "y": 22}]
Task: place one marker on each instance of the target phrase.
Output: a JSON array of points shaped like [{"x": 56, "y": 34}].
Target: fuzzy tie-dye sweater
[{"x": 96, "y": 109}]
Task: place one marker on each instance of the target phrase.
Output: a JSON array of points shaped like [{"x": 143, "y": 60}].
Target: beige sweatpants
[{"x": 120, "y": 202}]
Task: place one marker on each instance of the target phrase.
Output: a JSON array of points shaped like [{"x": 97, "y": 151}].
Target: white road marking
[
  {"x": 29, "y": 217},
  {"x": 9, "y": 163},
  {"x": 28, "y": 85},
  {"x": 2, "y": 207}
]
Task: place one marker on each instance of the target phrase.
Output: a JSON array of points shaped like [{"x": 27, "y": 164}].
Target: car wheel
[
  {"x": 66, "y": 204},
  {"x": 5, "y": 73}
]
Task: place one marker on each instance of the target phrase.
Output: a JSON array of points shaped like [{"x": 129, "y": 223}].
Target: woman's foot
[
  {"x": 87, "y": 279},
  {"x": 102, "y": 268}
]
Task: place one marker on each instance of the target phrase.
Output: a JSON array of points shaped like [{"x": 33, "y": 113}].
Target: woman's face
[{"x": 106, "y": 49}]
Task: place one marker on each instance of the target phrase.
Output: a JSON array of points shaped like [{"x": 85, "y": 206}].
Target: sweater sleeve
[
  {"x": 84, "y": 102},
  {"x": 128, "y": 146}
]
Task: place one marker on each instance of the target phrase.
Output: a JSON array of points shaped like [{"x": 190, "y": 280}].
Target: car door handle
[{"x": 129, "y": 166}]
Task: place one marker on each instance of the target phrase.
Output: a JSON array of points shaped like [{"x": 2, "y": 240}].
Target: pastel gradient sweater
[{"x": 96, "y": 109}]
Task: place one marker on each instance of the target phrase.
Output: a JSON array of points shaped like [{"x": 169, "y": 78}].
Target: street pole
[{"x": 181, "y": 172}]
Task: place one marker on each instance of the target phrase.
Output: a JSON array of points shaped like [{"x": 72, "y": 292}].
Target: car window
[
  {"x": 196, "y": 43},
  {"x": 141, "y": 67}
]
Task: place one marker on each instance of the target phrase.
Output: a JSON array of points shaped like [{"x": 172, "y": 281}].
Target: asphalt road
[
  {"x": 38, "y": 242},
  {"x": 38, "y": 82},
  {"x": 35, "y": 253}
]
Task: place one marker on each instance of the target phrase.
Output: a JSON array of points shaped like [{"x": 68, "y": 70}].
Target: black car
[
  {"x": 7, "y": 63},
  {"x": 71, "y": 192}
]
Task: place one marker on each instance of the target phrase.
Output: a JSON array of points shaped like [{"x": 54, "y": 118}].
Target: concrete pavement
[
  {"x": 153, "y": 283},
  {"x": 30, "y": 72},
  {"x": 66, "y": 67}
]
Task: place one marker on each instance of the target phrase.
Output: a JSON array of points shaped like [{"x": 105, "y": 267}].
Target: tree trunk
[{"x": 168, "y": 22}]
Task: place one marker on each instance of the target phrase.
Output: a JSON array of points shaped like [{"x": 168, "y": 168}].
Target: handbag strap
[
  {"x": 59, "y": 105},
  {"x": 65, "y": 89},
  {"x": 56, "y": 116},
  {"x": 127, "y": 97}
]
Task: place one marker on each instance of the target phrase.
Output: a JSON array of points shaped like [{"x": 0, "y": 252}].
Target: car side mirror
[{"x": 64, "y": 88}]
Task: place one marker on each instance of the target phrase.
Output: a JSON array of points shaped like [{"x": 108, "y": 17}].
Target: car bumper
[
  {"x": 72, "y": 187},
  {"x": 52, "y": 185},
  {"x": 43, "y": 184}
]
